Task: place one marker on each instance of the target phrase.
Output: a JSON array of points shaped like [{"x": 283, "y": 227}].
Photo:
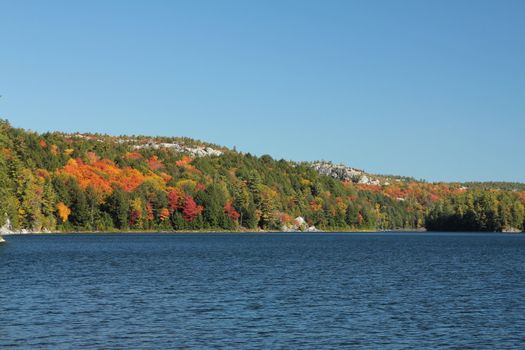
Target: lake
[{"x": 263, "y": 291}]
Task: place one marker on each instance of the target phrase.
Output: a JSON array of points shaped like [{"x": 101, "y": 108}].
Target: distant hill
[
  {"x": 93, "y": 182},
  {"x": 503, "y": 186}
]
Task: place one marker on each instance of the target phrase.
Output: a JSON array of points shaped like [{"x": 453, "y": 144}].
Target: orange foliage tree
[
  {"x": 522, "y": 196},
  {"x": 164, "y": 214},
  {"x": 149, "y": 211},
  {"x": 132, "y": 155},
  {"x": 102, "y": 175},
  {"x": 63, "y": 211},
  {"x": 184, "y": 161},
  {"x": 155, "y": 163}
]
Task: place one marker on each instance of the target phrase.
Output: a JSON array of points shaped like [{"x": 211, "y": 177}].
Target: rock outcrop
[
  {"x": 343, "y": 173},
  {"x": 510, "y": 230},
  {"x": 299, "y": 225},
  {"x": 7, "y": 229},
  {"x": 199, "y": 151}
]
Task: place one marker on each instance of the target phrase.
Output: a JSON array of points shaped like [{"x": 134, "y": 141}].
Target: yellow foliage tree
[{"x": 63, "y": 211}]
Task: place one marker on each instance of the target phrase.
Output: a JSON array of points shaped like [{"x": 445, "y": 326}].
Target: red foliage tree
[
  {"x": 134, "y": 217},
  {"x": 174, "y": 199},
  {"x": 191, "y": 209},
  {"x": 231, "y": 212}
]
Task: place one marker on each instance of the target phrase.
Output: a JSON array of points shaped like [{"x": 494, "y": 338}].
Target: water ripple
[{"x": 261, "y": 291}]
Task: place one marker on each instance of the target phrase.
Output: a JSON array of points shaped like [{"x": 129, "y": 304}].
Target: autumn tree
[
  {"x": 191, "y": 209},
  {"x": 63, "y": 212}
]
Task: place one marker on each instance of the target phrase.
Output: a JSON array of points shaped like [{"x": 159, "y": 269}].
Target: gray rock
[
  {"x": 343, "y": 173},
  {"x": 7, "y": 228},
  {"x": 198, "y": 151},
  {"x": 299, "y": 225}
]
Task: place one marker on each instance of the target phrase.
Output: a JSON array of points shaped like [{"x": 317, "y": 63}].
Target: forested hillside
[{"x": 90, "y": 182}]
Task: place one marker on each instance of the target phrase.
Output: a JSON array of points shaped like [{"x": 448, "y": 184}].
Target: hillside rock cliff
[{"x": 343, "y": 173}]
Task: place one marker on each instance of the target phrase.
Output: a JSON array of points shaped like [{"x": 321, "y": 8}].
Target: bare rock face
[
  {"x": 7, "y": 228},
  {"x": 368, "y": 181},
  {"x": 337, "y": 171},
  {"x": 343, "y": 173},
  {"x": 198, "y": 151}
]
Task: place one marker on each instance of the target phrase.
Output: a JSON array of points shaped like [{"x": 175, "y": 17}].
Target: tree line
[
  {"x": 478, "y": 210},
  {"x": 66, "y": 182}
]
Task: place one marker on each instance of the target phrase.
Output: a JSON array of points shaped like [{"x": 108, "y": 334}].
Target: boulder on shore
[
  {"x": 299, "y": 225},
  {"x": 7, "y": 229},
  {"x": 510, "y": 230}
]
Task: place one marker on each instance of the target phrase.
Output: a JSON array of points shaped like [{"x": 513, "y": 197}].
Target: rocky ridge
[
  {"x": 138, "y": 143},
  {"x": 198, "y": 151},
  {"x": 343, "y": 173}
]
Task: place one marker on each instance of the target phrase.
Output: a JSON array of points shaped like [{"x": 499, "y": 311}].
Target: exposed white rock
[
  {"x": 299, "y": 225},
  {"x": 286, "y": 228},
  {"x": 510, "y": 230},
  {"x": 299, "y": 221},
  {"x": 343, "y": 173},
  {"x": 7, "y": 229},
  {"x": 367, "y": 181},
  {"x": 199, "y": 151},
  {"x": 337, "y": 171},
  {"x": 312, "y": 229}
]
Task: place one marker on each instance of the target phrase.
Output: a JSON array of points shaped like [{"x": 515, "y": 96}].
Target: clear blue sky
[{"x": 431, "y": 89}]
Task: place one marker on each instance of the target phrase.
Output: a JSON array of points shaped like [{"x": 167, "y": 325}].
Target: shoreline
[
  {"x": 238, "y": 231},
  {"x": 27, "y": 232}
]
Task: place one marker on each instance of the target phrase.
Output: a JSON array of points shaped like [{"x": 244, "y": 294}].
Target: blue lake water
[{"x": 263, "y": 291}]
